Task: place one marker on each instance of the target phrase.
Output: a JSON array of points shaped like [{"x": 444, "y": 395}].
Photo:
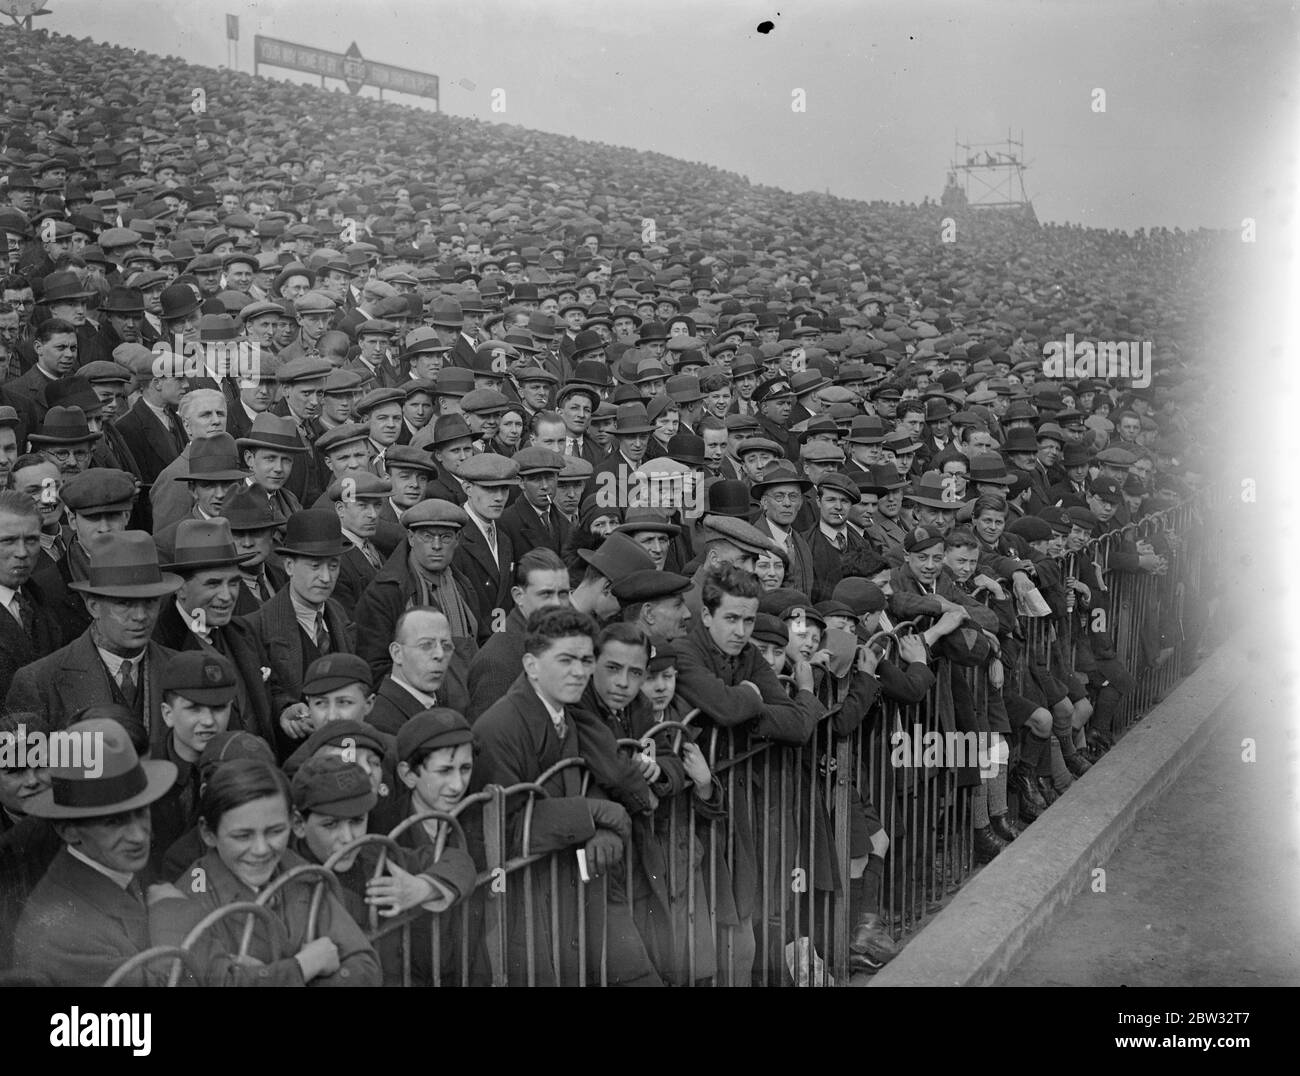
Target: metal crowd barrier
[{"x": 794, "y": 802}]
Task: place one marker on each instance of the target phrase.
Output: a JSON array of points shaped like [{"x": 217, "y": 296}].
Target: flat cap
[
  {"x": 489, "y": 469},
  {"x": 314, "y": 302},
  {"x": 103, "y": 372},
  {"x": 649, "y": 586},
  {"x": 575, "y": 469},
  {"x": 738, "y": 533},
  {"x": 362, "y": 486},
  {"x": 435, "y": 513},
  {"x": 1031, "y": 529},
  {"x": 200, "y": 676},
  {"x": 346, "y": 434},
  {"x": 332, "y": 786},
  {"x": 432, "y": 729},
  {"x": 377, "y": 398},
  {"x": 406, "y": 456},
  {"x": 333, "y": 671},
  {"x": 538, "y": 460},
  {"x": 303, "y": 369},
  {"x": 484, "y": 401},
  {"x": 99, "y": 491}
]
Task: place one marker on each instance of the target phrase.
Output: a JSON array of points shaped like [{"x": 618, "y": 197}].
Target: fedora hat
[
  {"x": 120, "y": 782},
  {"x": 249, "y": 509},
  {"x": 205, "y": 543},
  {"x": 213, "y": 459},
  {"x": 123, "y": 301},
  {"x": 779, "y": 473},
  {"x": 618, "y": 556},
  {"x": 988, "y": 467},
  {"x": 64, "y": 285},
  {"x": 125, "y": 565},
  {"x": 272, "y": 431},
  {"x": 1021, "y": 439},
  {"x": 929, "y": 490},
  {"x": 313, "y": 533},
  {"x": 632, "y": 419},
  {"x": 64, "y": 426}
]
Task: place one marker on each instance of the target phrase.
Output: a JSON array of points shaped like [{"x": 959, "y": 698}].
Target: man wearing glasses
[{"x": 419, "y": 573}]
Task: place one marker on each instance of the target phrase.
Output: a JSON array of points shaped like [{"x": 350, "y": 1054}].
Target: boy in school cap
[{"x": 337, "y": 687}]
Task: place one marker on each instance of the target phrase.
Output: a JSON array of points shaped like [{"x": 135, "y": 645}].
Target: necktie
[
  {"x": 22, "y": 609},
  {"x": 322, "y": 634},
  {"x": 58, "y": 550},
  {"x": 126, "y": 680},
  {"x": 254, "y": 584},
  {"x": 135, "y": 891},
  {"x": 570, "y": 446},
  {"x": 492, "y": 539},
  {"x": 177, "y": 437},
  {"x": 371, "y": 554},
  {"x": 839, "y": 541}
]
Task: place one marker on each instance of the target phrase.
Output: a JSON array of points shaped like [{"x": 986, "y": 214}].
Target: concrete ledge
[{"x": 999, "y": 913}]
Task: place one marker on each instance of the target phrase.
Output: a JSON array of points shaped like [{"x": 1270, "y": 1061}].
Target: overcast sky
[{"x": 1200, "y": 97}]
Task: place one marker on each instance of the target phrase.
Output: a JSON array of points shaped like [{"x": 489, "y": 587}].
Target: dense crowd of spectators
[{"x": 358, "y": 458}]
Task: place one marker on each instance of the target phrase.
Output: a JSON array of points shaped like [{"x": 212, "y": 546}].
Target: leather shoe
[
  {"x": 987, "y": 844},
  {"x": 871, "y": 939},
  {"x": 1047, "y": 790},
  {"x": 1025, "y": 784},
  {"x": 1002, "y": 826},
  {"x": 1099, "y": 743},
  {"x": 1077, "y": 764}
]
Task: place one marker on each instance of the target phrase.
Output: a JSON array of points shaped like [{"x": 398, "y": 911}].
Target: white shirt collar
[
  {"x": 116, "y": 877},
  {"x": 114, "y": 661},
  {"x": 831, "y": 532},
  {"x": 190, "y": 622},
  {"x": 557, "y": 716},
  {"x": 479, "y": 521},
  {"x": 423, "y": 698},
  {"x": 305, "y": 615}
]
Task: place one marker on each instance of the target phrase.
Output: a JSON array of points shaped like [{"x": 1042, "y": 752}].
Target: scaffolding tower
[{"x": 988, "y": 175}]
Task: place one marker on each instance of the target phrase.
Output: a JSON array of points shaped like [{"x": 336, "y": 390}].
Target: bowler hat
[
  {"x": 125, "y": 565},
  {"x": 64, "y": 426},
  {"x": 179, "y": 301},
  {"x": 313, "y": 533}
]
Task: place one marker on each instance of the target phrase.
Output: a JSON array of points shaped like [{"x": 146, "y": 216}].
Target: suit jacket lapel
[
  {"x": 154, "y": 434},
  {"x": 477, "y": 548}
]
